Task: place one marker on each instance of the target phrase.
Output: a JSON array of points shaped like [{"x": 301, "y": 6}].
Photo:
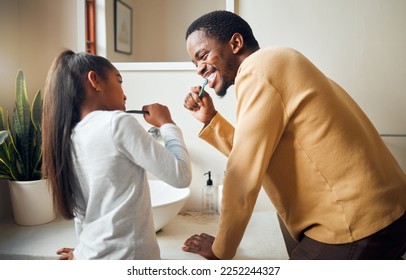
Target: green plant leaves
[
  {"x": 3, "y": 135},
  {"x": 4, "y": 156},
  {"x": 36, "y": 117},
  {"x": 20, "y": 149}
]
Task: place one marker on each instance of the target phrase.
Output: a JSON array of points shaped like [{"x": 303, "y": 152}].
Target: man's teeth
[{"x": 211, "y": 77}]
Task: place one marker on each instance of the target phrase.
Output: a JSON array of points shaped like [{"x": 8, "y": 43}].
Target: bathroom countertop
[{"x": 263, "y": 238}]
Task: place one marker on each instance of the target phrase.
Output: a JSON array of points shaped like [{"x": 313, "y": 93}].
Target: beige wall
[
  {"x": 9, "y": 51},
  {"x": 32, "y": 33}
]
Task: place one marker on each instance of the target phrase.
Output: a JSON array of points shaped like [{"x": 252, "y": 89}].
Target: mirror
[{"x": 158, "y": 29}]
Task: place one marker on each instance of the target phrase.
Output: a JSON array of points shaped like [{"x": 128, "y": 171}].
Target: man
[{"x": 298, "y": 134}]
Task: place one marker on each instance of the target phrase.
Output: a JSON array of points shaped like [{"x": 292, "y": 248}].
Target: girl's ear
[{"x": 93, "y": 80}]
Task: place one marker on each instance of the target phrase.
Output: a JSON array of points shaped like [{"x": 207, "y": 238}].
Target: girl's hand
[
  {"x": 65, "y": 254},
  {"x": 158, "y": 114}
]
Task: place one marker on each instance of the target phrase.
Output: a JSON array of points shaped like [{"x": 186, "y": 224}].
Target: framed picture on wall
[{"x": 123, "y": 24}]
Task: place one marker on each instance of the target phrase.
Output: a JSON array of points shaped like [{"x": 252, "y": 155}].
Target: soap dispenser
[{"x": 208, "y": 205}]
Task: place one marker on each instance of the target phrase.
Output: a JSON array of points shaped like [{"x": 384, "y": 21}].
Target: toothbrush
[
  {"x": 137, "y": 112},
  {"x": 202, "y": 89}
]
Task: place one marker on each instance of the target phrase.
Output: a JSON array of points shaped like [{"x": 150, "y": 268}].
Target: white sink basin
[{"x": 167, "y": 201}]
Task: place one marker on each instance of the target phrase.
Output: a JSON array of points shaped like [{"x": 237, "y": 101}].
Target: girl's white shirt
[{"x": 112, "y": 154}]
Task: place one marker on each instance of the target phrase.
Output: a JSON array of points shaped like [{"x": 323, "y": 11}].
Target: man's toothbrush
[{"x": 202, "y": 89}]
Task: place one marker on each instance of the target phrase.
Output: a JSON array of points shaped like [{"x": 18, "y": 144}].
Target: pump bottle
[{"x": 208, "y": 206}]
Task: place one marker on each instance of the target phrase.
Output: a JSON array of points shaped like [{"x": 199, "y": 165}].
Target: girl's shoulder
[
  {"x": 108, "y": 115},
  {"x": 106, "y": 118}
]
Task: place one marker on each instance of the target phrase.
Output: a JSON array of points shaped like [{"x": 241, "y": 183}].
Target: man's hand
[
  {"x": 202, "y": 109},
  {"x": 200, "y": 244}
]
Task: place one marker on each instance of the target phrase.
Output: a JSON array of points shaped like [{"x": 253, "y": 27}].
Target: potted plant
[{"x": 21, "y": 158}]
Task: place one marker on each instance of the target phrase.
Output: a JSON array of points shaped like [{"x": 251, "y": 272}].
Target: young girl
[{"x": 96, "y": 158}]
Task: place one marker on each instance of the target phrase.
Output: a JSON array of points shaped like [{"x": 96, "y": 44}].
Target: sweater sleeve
[
  {"x": 261, "y": 119},
  {"x": 219, "y": 133},
  {"x": 170, "y": 163}
]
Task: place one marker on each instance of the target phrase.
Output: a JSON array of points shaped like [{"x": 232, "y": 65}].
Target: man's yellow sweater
[{"x": 303, "y": 138}]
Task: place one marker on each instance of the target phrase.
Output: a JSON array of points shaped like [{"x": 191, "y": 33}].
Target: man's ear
[
  {"x": 93, "y": 80},
  {"x": 236, "y": 42}
]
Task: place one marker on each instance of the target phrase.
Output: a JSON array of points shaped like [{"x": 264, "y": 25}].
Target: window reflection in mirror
[{"x": 158, "y": 31}]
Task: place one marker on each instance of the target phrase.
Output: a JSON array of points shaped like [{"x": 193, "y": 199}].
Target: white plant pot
[{"x": 32, "y": 202}]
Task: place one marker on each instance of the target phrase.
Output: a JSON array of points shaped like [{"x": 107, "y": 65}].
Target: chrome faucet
[{"x": 155, "y": 133}]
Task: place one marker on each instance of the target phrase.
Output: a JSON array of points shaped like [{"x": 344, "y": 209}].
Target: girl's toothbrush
[
  {"x": 137, "y": 112},
  {"x": 202, "y": 89}
]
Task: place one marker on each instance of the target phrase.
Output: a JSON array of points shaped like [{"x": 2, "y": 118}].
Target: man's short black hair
[{"x": 221, "y": 25}]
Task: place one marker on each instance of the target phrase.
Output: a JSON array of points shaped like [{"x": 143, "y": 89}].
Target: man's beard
[{"x": 223, "y": 89}]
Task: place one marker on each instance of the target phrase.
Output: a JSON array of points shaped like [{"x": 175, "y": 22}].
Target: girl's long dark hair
[{"x": 63, "y": 95}]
